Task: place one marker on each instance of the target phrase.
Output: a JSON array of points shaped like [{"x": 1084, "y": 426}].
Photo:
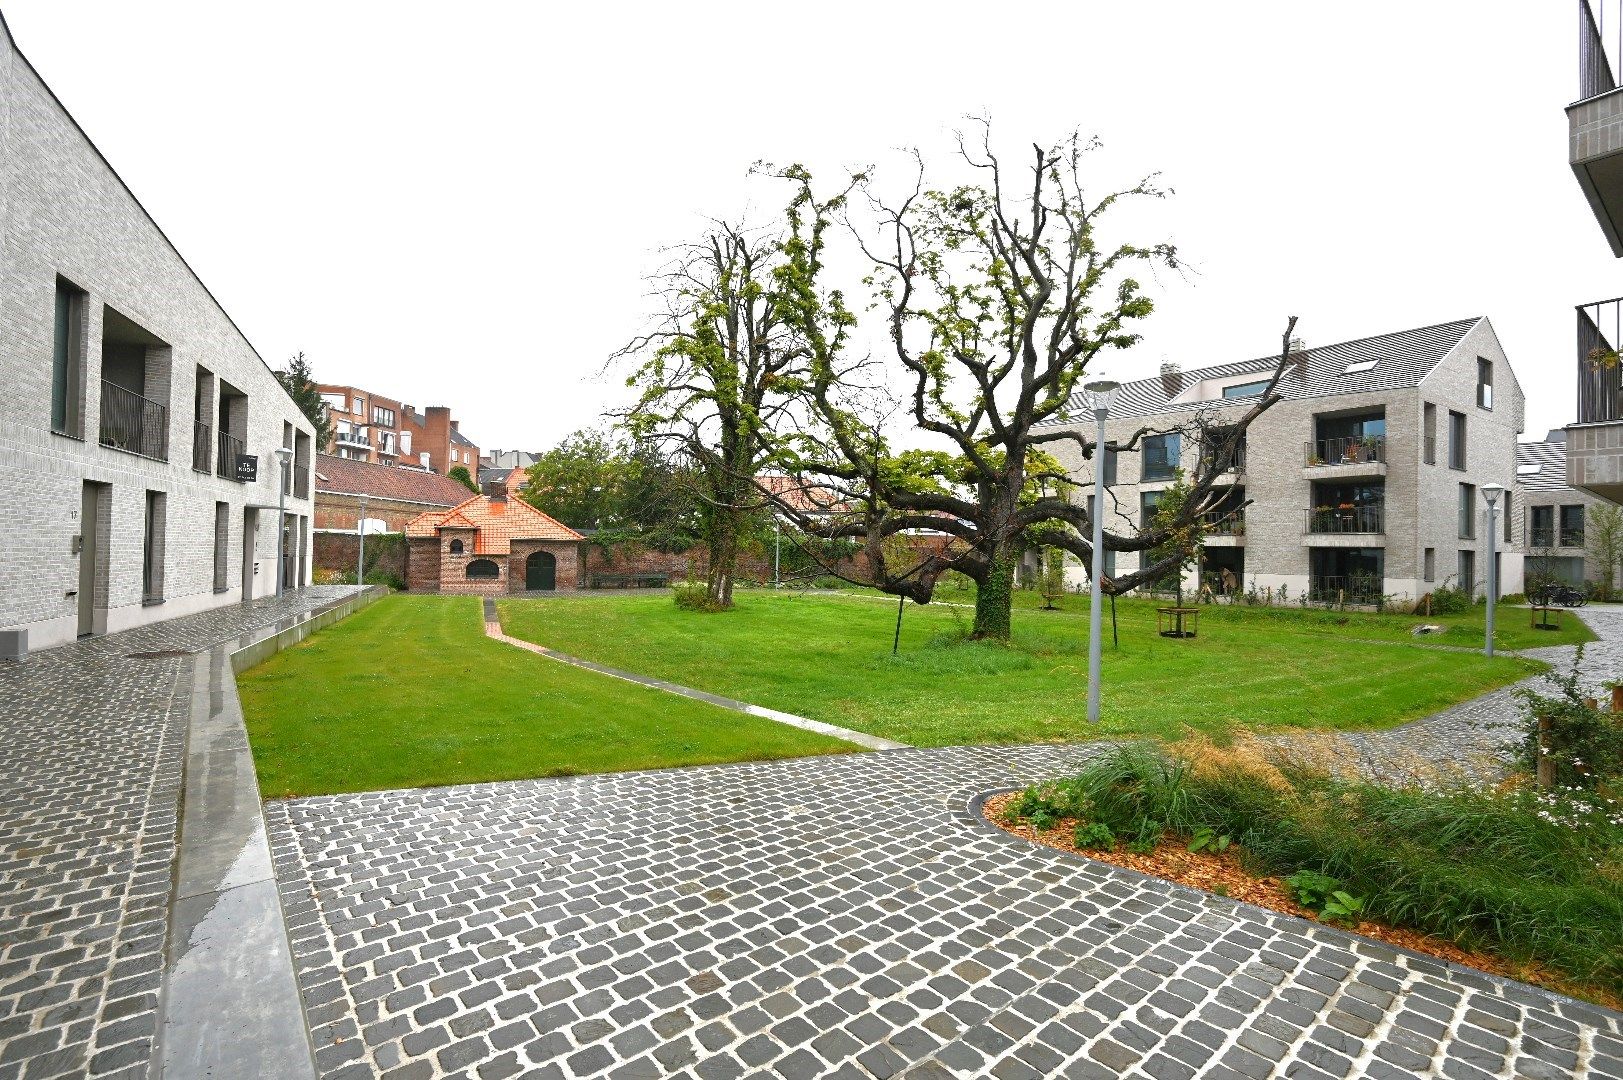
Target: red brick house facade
[{"x": 491, "y": 545}]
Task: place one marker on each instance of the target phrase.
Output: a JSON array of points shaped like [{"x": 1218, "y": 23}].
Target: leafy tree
[
  {"x": 461, "y": 475},
  {"x": 717, "y": 375},
  {"x": 297, "y": 380},
  {"x": 626, "y": 491},
  {"x": 1603, "y": 540},
  {"x": 997, "y": 301},
  {"x": 575, "y": 481},
  {"x": 1180, "y": 532},
  {"x": 1053, "y": 579}
]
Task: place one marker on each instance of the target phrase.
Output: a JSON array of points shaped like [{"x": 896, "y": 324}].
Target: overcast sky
[{"x": 456, "y": 204}]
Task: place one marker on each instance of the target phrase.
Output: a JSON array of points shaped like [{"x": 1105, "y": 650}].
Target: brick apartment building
[
  {"x": 390, "y": 495},
  {"x": 139, "y": 430},
  {"x": 386, "y": 431}
]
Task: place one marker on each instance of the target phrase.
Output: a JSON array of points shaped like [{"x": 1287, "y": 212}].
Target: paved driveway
[{"x": 838, "y": 917}]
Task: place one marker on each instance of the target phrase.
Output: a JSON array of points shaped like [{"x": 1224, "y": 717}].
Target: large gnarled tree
[{"x": 997, "y": 303}]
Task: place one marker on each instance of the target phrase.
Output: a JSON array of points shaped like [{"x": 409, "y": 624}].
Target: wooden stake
[
  {"x": 1546, "y": 764},
  {"x": 1617, "y": 699}
]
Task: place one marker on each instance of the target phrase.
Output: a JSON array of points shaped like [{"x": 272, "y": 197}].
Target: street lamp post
[
  {"x": 1101, "y": 392},
  {"x": 1490, "y": 495},
  {"x": 360, "y": 542},
  {"x": 283, "y": 454},
  {"x": 777, "y": 549}
]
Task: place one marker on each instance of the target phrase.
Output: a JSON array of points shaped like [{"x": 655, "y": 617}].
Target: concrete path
[{"x": 92, "y": 746}]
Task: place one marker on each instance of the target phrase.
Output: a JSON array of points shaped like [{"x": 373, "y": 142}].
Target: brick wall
[
  {"x": 340, "y": 511},
  {"x": 337, "y": 551}
]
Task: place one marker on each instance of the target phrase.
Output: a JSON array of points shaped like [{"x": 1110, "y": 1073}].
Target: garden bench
[
  {"x": 630, "y": 581},
  {"x": 1539, "y": 618}
]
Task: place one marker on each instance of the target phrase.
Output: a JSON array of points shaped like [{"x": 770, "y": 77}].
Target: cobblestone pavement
[
  {"x": 91, "y": 742},
  {"x": 842, "y": 917},
  {"x": 1466, "y": 741}
]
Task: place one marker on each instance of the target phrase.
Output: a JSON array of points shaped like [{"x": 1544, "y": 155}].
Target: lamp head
[
  {"x": 1490, "y": 494},
  {"x": 1103, "y": 392},
  {"x": 284, "y": 452}
]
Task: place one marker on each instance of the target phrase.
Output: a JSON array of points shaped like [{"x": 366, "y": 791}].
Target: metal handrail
[
  {"x": 132, "y": 423},
  {"x": 1224, "y": 522},
  {"x": 230, "y": 447},
  {"x": 1358, "y": 588},
  {"x": 1346, "y": 451},
  {"x": 354, "y": 438},
  {"x": 1600, "y": 374},
  {"x": 202, "y": 446},
  {"x": 1598, "y": 73},
  {"x": 1351, "y": 519}
]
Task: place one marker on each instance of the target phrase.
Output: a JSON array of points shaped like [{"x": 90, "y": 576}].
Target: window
[
  {"x": 222, "y": 541},
  {"x": 382, "y": 417},
  {"x": 1484, "y": 383},
  {"x": 1456, "y": 440},
  {"x": 1430, "y": 564},
  {"x": 1541, "y": 526},
  {"x": 456, "y": 547},
  {"x": 483, "y": 568},
  {"x": 1572, "y": 526},
  {"x": 1428, "y": 434},
  {"x": 1109, "y": 568},
  {"x": 1250, "y": 389},
  {"x": 152, "y": 549},
  {"x": 1468, "y": 572},
  {"x": 1148, "y": 501},
  {"x": 1161, "y": 456},
  {"x": 1510, "y": 531},
  {"x": 68, "y": 362},
  {"x": 336, "y": 402},
  {"x": 1467, "y": 511},
  {"x": 405, "y": 442},
  {"x": 1360, "y": 366}
]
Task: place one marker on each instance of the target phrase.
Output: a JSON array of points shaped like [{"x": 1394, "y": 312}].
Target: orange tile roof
[{"x": 497, "y": 523}]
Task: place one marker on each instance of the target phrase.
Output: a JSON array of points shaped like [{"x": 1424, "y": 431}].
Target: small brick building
[{"x": 491, "y": 544}]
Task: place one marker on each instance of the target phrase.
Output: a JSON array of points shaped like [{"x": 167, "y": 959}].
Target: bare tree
[{"x": 997, "y": 302}]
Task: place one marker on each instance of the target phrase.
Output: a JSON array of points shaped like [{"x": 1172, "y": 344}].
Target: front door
[
  {"x": 92, "y": 561},
  {"x": 250, "y": 530},
  {"x": 540, "y": 571}
]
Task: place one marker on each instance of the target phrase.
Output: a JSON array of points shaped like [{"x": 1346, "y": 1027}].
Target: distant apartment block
[
  {"x": 1364, "y": 480},
  {"x": 139, "y": 429},
  {"x": 386, "y": 431},
  {"x": 1552, "y": 531}
]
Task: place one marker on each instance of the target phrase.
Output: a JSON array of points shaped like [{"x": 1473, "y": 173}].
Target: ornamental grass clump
[{"x": 1534, "y": 876}]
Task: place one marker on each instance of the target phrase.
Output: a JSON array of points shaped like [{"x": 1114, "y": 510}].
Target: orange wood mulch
[{"x": 1221, "y": 873}]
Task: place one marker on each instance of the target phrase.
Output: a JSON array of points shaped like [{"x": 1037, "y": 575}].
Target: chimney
[
  {"x": 1298, "y": 356},
  {"x": 1171, "y": 378}
]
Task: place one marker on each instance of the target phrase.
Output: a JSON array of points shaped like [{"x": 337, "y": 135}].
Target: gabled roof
[
  {"x": 1545, "y": 462},
  {"x": 342, "y": 476},
  {"x": 498, "y": 522},
  {"x": 461, "y": 439},
  {"x": 1400, "y": 360}
]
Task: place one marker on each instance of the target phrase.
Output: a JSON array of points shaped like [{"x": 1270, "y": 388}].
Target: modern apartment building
[
  {"x": 1595, "y": 152},
  {"x": 370, "y": 427},
  {"x": 1555, "y": 517},
  {"x": 1364, "y": 480},
  {"x": 139, "y": 429}
]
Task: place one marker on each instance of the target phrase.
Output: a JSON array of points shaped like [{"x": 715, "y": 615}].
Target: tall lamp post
[
  {"x": 283, "y": 454},
  {"x": 1490, "y": 495},
  {"x": 1101, "y": 392}
]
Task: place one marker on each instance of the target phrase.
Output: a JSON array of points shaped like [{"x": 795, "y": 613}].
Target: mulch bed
[{"x": 1222, "y": 874}]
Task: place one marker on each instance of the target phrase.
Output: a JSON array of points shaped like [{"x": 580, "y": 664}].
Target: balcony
[
  {"x": 225, "y": 460},
  {"x": 1347, "y": 589},
  {"x": 202, "y": 446},
  {"x": 353, "y": 438},
  {"x": 1366, "y": 452},
  {"x": 1595, "y": 442},
  {"x": 1595, "y": 120},
  {"x": 134, "y": 424},
  {"x": 1223, "y": 523},
  {"x": 1345, "y": 520}
]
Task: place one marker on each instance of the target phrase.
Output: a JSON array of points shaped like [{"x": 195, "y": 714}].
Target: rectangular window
[
  {"x": 152, "y": 549},
  {"x": 1456, "y": 440},
  {"x": 1250, "y": 389},
  {"x": 1572, "y": 526},
  {"x": 1428, "y": 439},
  {"x": 1430, "y": 564},
  {"x": 1161, "y": 456},
  {"x": 1467, "y": 511},
  {"x": 222, "y": 540},
  {"x": 1468, "y": 572},
  {"x": 1147, "y": 504},
  {"x": 1484, "y": 383},
  {"x": 1541, "y": 526},
  {"x": 68, "y": 362},
  {"x": 1510, "y": 531},
  {"x": 1109, "y": 569},
  {"x": 383, "y": 417}
]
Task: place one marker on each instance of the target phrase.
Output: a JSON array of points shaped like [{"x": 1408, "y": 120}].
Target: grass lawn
[
  {"x": 410, "y": 693},
  {"x": 828, "y": 657}
]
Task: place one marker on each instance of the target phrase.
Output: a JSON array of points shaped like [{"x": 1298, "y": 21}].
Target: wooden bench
[
  {"x": 1539, "y": 618},
  {"x": 630, "y": 581}
]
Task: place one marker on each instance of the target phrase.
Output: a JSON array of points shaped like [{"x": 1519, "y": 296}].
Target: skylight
[
  {"x": 1529, "y": 469},
  {"x": 1362, "y": 365}
]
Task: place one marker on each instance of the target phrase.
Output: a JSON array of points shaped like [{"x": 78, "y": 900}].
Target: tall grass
[{"x": 1534, "y": 878}]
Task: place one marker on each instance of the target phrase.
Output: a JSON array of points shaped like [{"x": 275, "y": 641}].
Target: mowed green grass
[
  {"x": 410, "y": 693},
  {"x": 829, "y": 658}
]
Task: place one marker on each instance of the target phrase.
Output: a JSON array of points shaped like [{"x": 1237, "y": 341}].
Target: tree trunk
[
  {"x": 994, "y": 596},
  {"x": 723, "y": 545}
]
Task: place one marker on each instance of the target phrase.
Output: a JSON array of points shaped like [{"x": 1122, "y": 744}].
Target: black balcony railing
[
  {"x": 1351, "y": 589},
  {"x": 132, "y": 423},
  {"x": 225, "y": 459},
  {"x": 1232, "y": 461},
  {"x": 1600, "y": 375},
  {"x": 1347, "y": 519},
  {"x": 1599, "y": 21},
  {"x": 1224, "y": 522},
  {"x": 1351, "y": 451},
  {"x": 202, "y": 446}
]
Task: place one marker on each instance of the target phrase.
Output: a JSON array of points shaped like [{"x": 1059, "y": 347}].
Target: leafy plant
[
  {"x": 695, "y": 596},
  {"x": 1342, "y": 907},
  {"x": 1149, "y": 835},
  {"x": 1583, "y": 743},
  {"x": 1094, "y": 836},
  {"x": 1207, "y": 838},
  {"x": 1311, "y": 889}
]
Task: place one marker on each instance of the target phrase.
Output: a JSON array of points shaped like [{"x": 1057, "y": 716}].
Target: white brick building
[
  {"x": 1365, "y": 479},
  {"x": 130, "y": 400}
]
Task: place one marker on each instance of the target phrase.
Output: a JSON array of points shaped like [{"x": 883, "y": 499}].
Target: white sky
[{"x": 456, "y": 204}]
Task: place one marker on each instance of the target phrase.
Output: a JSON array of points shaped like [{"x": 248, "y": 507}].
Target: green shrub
[
  {"x": 1447, "y": 600},
  {"x": 694, "y": 596},
  {"x": 1584, "y": 744}
]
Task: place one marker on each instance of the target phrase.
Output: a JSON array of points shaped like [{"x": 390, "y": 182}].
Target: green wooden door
[{"x": 540, "y": 571}]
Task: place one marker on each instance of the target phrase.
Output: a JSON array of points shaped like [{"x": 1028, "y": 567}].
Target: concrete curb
[
  {"x": 493, "y": 629},
  {"x": 229, "y": 1004}
]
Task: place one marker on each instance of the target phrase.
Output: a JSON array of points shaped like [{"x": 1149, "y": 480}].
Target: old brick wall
[
  {"x": 423, "y": 564},
  {"x": 336, "y": 551},
  {"x": 566, "y": 574},
  {"x": 341, "y": 511}
]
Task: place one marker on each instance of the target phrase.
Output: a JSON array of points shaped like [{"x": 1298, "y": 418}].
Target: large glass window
[
  {"x": 152, "y": 548},
  {"x": 1572, "y": 526},
  {"x": 1541, "y": 526},
  {"x": 1467, "y": 574},
  {"x": 1456, "y": 440},
  {"x": 1162, "y": 454},
  {"x": 67, "y": 362},
  {"x": 1250, "y": 389},
  {"x": 1467, "y": 511},
  {"x": 1428, "y": 434},
  {"x": 1348, "y": 440},
  {"x": 1484, "y": 383}
]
